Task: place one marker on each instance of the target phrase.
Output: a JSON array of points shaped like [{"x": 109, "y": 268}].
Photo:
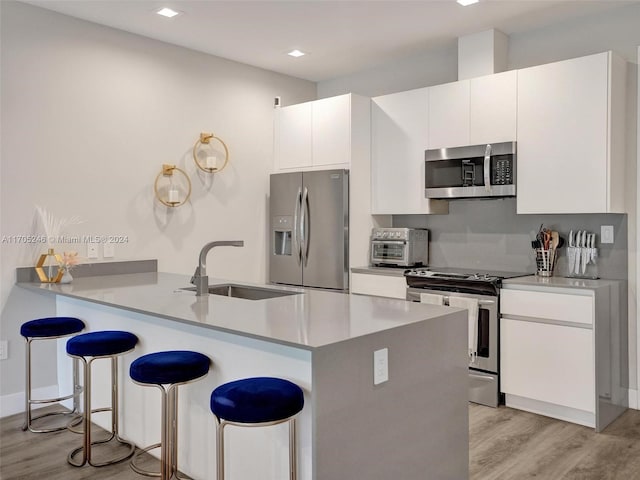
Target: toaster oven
[{"x": 402, "y": 247}]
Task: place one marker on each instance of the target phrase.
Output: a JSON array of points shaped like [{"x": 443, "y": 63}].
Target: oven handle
[
  {"x": 480, "y": 302},
  {"x": 399, "y": 242}
]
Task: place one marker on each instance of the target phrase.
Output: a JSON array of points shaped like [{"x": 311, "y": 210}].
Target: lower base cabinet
[
  {"x": 561, "y": 351},
  {"x": 391, "y": 286}
]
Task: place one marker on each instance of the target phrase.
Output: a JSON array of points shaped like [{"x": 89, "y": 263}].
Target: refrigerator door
[
  {"x": 285, "y": 260},
  {"x": 325, "y": 229}
]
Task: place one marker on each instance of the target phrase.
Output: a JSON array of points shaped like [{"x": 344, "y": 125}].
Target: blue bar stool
[
  {"x": 49, "y": 329},
  {"x": 97, "y": 345},
  {"x": 256, "y": 402},
  {"x": 167, "y": 371}
]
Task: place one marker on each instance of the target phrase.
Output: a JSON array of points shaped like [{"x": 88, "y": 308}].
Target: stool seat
[
  {"x": 175, "y": 366},
  {"x": 51, "y": 327},
  {"x": 257, "y": 400},
  {"x": 98, "y": 344}
]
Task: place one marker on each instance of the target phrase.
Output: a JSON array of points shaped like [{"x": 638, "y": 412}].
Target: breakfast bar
[{"x": 403, "y": 418}]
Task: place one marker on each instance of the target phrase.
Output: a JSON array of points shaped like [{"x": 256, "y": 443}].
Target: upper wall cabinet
[
  {"x": 398, "y": 142},
  {"x": 317, "y": 134},
  {"x": 571, "y": 136},
  {"x": 475, "y": 111}
]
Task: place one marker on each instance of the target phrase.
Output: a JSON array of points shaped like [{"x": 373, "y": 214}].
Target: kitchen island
[{"x": 412, "y": 426}]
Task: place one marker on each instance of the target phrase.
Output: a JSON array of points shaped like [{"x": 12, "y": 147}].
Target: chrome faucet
[{"x": 200, "y": 278}]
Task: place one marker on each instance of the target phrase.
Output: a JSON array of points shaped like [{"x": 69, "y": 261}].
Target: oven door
[
  {"x": 487, "y": 326},
  {"x": 390, "y": 252}
]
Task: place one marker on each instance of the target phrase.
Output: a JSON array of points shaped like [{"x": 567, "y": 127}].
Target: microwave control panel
[{"x": 502, "y": 173}]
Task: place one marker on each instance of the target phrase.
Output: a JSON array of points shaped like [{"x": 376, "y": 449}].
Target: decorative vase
[
  {"x": 66, "y": 276},
  {"x": 48, "y": 267}
]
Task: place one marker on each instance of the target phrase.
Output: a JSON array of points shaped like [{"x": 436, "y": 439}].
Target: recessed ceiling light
[
  {"x": 465, "y": 3},
  {"x": 167, "y": 12},
  {"x": 296, "y": 53}
]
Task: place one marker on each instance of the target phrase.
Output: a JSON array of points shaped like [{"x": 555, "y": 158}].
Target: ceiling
[{"x": 341, "y": 37}]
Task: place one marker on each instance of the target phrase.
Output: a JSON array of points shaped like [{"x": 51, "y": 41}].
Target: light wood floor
[{"x": 505, "y": 444}]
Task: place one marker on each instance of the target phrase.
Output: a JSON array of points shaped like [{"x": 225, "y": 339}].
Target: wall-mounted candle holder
[
  {"x": 168, "y": 190},
  {"x": 208, "y": 155}
]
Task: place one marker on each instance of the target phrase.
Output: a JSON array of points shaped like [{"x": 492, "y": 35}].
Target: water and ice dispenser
[{"x": 282, "y": 227}]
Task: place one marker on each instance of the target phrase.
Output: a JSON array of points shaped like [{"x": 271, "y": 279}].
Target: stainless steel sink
[{"x": 245, "y": 292}]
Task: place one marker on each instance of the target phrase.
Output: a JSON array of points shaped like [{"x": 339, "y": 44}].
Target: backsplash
[{"x": 489, "y": 235}]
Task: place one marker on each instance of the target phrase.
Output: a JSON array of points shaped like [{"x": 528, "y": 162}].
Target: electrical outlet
[
  {"x": 606, "y": 234},
  {"x": 108, "y": 250},
  {"x": 92, "y": 250},
  {"x": 4, "y": 349},
  {"x": 380, "y": 366}
]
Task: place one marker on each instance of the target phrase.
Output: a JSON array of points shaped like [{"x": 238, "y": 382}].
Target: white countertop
[
  {"x": 314, "y": 318},
  {"x": 558, "y": 282}
]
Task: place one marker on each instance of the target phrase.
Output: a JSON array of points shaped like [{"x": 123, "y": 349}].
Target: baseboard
[
  {"x": 633, "y": 399},
  {"x": 560, "y": 412},
  {"x": 14, "y": 402}
]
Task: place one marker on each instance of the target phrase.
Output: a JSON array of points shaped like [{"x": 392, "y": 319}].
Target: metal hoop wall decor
[
  {"x": 173, "y": 197},
  {"x": 210, "y": 164}
]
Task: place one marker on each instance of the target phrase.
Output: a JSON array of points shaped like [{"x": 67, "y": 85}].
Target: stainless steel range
[{"x": 479, "y": 293}]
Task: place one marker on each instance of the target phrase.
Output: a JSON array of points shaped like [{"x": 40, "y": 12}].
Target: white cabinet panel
[
  {"x": 563, "y": 125},
  {"x": 449, "y": 115},
  {"x": 548, "y": 363},
  {"x": 492, "y": 108},
  {"x": 293, "y": 136},
  {"x": 392, "y": 286},
  {"x": 331, "y": 131},
  {"x": 398, "y": 142},
  {"x": 551, "y": 306}
]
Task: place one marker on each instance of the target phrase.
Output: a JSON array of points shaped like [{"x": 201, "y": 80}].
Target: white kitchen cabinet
[
  {"x": 448, "y": 118},
  {"x": 331, "y": 131},
  {"x": 571, "y": 136},
  {"x": 560, "y": 350},
  {"x": 398, "y": 142},
  {"x": 293, "y": 136},
  {"x": 473, "y": 112},
  {"x": 392, "y": 286},
  {"x": 492, "y": 108},
  {"x": 321, "y": 134}
]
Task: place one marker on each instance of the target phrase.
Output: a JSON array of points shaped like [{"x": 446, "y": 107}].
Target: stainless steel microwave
[{"x": 476, "y": 171}]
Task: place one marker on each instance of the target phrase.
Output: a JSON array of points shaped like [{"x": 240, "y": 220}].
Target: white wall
[
  {"x": 615, "y": 30},
  {"x": 89, "y": 114}
]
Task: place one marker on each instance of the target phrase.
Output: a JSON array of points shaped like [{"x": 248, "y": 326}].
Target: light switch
[
  {"x": 606, "y": 234},
  {"x": 108, "y": 250},
  {"x": 92, "y": 250}
]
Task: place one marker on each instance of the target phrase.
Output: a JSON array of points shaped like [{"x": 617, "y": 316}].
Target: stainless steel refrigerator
[{"x": 309, "y": 234}]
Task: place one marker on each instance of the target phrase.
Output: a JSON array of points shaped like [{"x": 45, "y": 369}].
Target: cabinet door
[
  {"x": 562, "y": 136},
  {"x": 492, "y": 108},
  {"x": 549, "y": 363},
  {"x": 448, "y": 123},
  {"x": 398, "y": 142},
  {"x": 293, "y": 136},
  {"x": 331, "y": 131}
]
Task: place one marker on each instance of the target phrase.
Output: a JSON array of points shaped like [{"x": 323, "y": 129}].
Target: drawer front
[
  {"x": 379, "y": 285},
  {"x": 550, "y": 306},
  {"x": 550, "y": 363}
]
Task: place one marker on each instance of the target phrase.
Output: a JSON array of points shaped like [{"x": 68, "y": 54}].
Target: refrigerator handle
[
  {"x": 297, "y": 245},
  {"x": 304, "y": 226}
]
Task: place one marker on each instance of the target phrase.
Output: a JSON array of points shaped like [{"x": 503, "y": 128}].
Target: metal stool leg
[
  {"x": 220, "y": 424},
  {"x": 29, "y": 401},
  {"x": 293, "y": 454},
  {"x": 87, "y": 444},
  {"x": 168, "y": 444}
]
